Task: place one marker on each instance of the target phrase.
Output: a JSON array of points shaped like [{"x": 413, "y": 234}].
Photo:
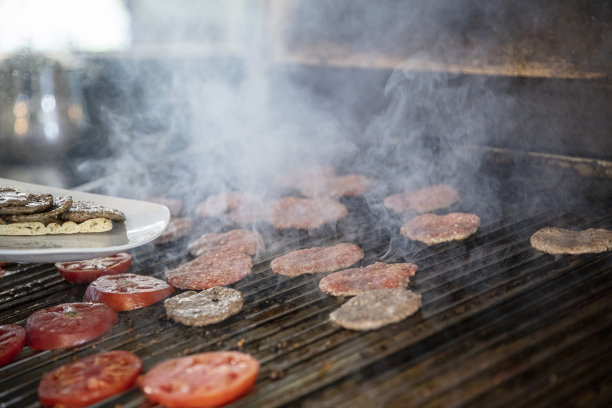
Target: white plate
[{"x": 144, "y": 222}]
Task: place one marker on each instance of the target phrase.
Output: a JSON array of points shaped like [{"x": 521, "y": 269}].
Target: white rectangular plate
[{"x": 144, "y": 222}]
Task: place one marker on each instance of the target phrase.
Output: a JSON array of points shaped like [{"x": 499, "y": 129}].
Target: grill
[{"x": 500, "y": 324}]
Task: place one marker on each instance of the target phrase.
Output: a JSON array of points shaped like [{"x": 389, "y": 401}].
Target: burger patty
[
  {"x": 219, "y": 204},
  {"x": 337, "y": 186},
  {"x": 33, "y": 204},
  {"x": 305, "y": 213},
  {"x": 423, "y": 200},
  {"x": 60, "y": 204},
  {"x": 434, "y": 229},
  {"x": 237, "y": 240},
  {"x": 217, "y": 268},
  {"x": 10, "y": 196},
  {"x": 562, "y": 241},
  {"x": 376, "y": 308},
  {"x": 177, "y": 228},
  {"x": 318, "y": 259},
  {"x": 355, "y": 281},
  {"x": 83, "y": 210},
  {"x": 206, "y": 307}
]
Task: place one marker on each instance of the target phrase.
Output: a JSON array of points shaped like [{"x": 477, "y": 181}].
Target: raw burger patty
[
  {"x": 338, "y": 186},
  {"x": 217, "y": 268},
  {"x": 305, "y": 213},
  {"x": 434, "y": 229},
  {"x": 177, "y": 229},
  {"x": 237, "y": 240},
  {"x": 318, "y": 259},
  {"x": 376, "y": 308},
  {"x": 423, "y": 200},
  {"x": 355, "y": 281},
  {"x": 206, "y": 307},
  {"x": 561, "y": 241}
]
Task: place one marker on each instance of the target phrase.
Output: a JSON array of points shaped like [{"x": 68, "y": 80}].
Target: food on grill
[
  {"x": 219, "y": 204},
  {"x": 12, "y": 340},
  {"x": 336, "y": 186},
  {"x": 42, "y": 214},
  {"x": 177, "y": 228},
  {"x": 175, "y": 206},
  {"x": 88, "y": 380},
  {"x": 305, "y": 213},
  {"x": 423, "y": 200},
  {"x": 218, "y": 268},
  {"x": 34, "y": 203},
  {"x": 60, "y": 204},
  {"x": 203, "y": 308},
  {"x": 127, "y": 291},
  {"x": 85, "y": 210},
  {"x": 294, "y": 178},
  {"x": 239, "y": 240},
  {"x": 376, "y": 308},
  {"x": 201, "y": 380},
  {"x": 562, "y": 241},
  {"x": 91, "y": 269},
  {"x": 434, "y": 229},
  {"x": 68, "y": 325},
  {"x": 355, "y": 281},
  {"x": 12, "y": 197},
  {"x": 318, "y": 259},
  {"x": 250, "y": 213}
]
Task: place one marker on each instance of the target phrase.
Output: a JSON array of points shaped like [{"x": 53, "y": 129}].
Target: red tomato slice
[
  {"x": 90, "y": 379},
  {"x": 91, "y": 269},
  {"x": 127, "y": 291},
  {"x": 202, "y": 380},
  {"x": 68, "y": 325},
  {"x": 12, "y": 340}
]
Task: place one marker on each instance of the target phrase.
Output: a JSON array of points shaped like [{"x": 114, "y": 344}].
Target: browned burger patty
[
  {"x": 237, "y": 240},
  {"x": 350, "y": 282},
  {"x": 206, "y": 307},
  {"x": 84, "y": 210},
  {"x": 423, "y": 200},
  {"x": 305, "y": 213},
  {"x": 295, "y": 178},
  {"x": 10, "y": 196},
  {"x": 562, "y": 241},
  {"x": 35, "y": 203},
  {"x": 318, "y": 259},
  {"x": 376, "y": 308},
  {"x": 217, "y": 268},
  {"x": 61, "y": 204},
  {"x": 434, "y": 229},
  {"x": 177, "y": 228}
]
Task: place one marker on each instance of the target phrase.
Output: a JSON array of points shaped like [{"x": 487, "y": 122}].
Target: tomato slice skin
[
  {"x": 68, "y": 324},
  {"x": 202, "y": 380},
  {"x": 127, "y": 291},
  {"x": 12, "y": 340},
  {"x": 91, "y": 269},
  {"x": 90, "y": 379}
]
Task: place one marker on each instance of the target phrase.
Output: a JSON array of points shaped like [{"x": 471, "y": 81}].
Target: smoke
[{"x": 236, "y": 119}]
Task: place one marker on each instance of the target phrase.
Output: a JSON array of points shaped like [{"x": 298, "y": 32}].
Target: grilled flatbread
[{"x": 54, "y": 228}]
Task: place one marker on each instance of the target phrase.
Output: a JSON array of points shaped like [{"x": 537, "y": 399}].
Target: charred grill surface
[{"x": 501, "y": 323}]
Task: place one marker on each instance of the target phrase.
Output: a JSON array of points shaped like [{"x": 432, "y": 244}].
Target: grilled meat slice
[
  {"x": 434, "y": 229},
  {"x": 85, "y": 210},
  {"x": 35, "y": 203},
  {"x": 562, "y": 241},
  {"x": 206, "y": 307},
  {"x": 61, "y": 204}
]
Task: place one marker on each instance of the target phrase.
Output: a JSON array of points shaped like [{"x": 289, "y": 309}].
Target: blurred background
[{"x": 89, "y": 89}]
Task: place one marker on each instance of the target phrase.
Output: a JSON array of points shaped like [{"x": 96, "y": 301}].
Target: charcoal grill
[{"x": 501, "y": 323}]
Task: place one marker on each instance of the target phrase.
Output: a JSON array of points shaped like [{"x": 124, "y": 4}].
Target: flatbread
[{"x": 54, "y": 228}]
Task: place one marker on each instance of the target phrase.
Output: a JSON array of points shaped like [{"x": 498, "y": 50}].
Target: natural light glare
[{"x": 64, "y": 25}]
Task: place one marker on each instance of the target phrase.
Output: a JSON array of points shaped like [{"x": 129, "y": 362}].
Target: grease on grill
[{"x": 206, "y": 307}]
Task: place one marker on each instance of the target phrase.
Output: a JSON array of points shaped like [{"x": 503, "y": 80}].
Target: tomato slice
[
  {"x": 12, "y": 340},
  {"x": 90, "y": 379},
  {"x": 68, "y": 325},
  {"x": 127, "y": 291},
  {"x": 201, "y": 380},
  {"x": 91, "y": 269}
]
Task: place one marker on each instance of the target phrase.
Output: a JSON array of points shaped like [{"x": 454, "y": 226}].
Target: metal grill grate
[{"x": 501, "y": 323}]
